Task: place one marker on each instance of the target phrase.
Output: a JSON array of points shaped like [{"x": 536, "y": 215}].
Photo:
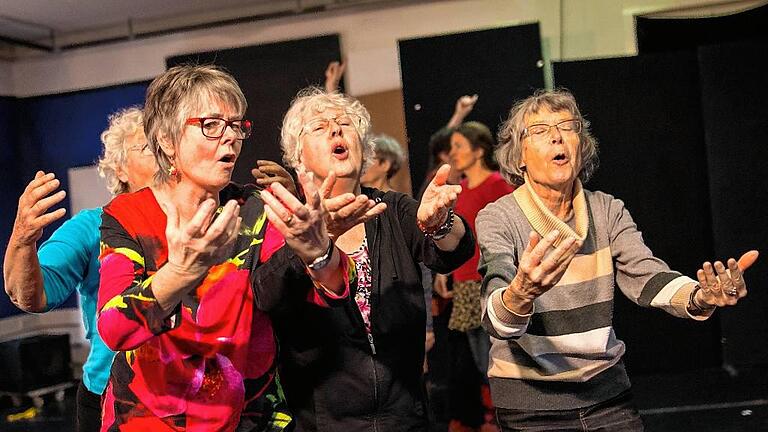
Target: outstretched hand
[
  {"x": 32, "y": 215},
  {"x": 538, "y": 270},
  {"x": 194, "y": 247},
  {"x": 721, "y": 286},
  {"x": 438, "y": 198},
  {"x": 346, "y": 211},
  {"x": 302, "y": 225}
]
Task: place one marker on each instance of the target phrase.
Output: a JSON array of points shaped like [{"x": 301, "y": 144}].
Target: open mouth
[
  {"x": 340, "y": 151},
  {"x": 228, "y": 159},
  {"x": 560, "y": 158}
]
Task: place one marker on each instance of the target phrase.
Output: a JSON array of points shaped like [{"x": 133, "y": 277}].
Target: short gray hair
[
  {"x": 315, "y": 99},
  {"x": 510, "y": 151},
  {"x": 122, "y": 125},
  {"x": 388, "y": 148},
  {"x": 172, "y": 96}
]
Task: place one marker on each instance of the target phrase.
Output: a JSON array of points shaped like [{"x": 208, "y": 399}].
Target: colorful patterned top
[
  {"x": 363, "y": 293},
  {"x": 210, "y": 360}
]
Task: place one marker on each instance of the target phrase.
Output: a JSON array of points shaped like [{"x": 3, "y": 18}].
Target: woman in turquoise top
[{"x": 41, "y": 280}]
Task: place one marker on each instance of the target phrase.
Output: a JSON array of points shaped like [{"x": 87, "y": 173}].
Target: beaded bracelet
[
  {"x": 441, "y": 231},
  {"x": 698, "y": 310}
]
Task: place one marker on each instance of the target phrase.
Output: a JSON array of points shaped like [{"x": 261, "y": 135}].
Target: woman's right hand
[
  {"x": 537, "y": 273},
  {"x": 32, "y": 215},
  {"x": 193, "y": 248},
  {"x": 302, "y": 225}
]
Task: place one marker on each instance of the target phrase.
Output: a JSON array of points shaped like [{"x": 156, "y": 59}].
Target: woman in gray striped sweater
[{"x": 555, "y": 359}]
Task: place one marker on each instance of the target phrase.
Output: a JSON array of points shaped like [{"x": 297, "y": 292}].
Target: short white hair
[
  {"x": 316, "y": 100},
  {"x": 122, "y": 125}
]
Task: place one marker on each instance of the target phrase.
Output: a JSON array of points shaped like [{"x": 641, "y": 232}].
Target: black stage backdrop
[
  {"x": 501, "y": 65},
  {"x": 646, "y": 113},
  {"x": 270, "y": 76},
  {"x": 733, "y": 86},
  {"x": 673, "y": 34},
  {"x": 734, "y": 95}
]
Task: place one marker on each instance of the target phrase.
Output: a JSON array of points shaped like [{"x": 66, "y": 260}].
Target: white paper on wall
[{"x": 86, "y": 189}]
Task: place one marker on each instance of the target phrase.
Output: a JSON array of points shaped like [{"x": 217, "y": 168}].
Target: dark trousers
[
  {"x": 618, "y": 414},
  {"x": 88, "y": 410},
  {"x": 465, "y": 404}
]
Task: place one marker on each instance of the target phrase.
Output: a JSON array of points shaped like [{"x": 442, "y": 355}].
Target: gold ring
[
  {"x": 290, "y": 218},
  {"x": 732, "y": 292}
]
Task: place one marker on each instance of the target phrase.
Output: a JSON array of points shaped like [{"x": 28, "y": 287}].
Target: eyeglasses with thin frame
[
  {"x": 541, "y": 130},
  {"x": 214, "y": 127},
  {"x": 141, "y": 148},
  {"x": 320, "y": 126}
]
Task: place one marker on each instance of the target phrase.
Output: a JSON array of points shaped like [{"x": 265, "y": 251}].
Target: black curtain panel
[
  {"x": 500, "y": 65},
  {"x": 646, "y": 113},
  {"x": 270, "y": 76},
  {"x": 734, "y": 93},
  {"x": 674, "y": 34},
  {"x": 12, "y": 183}
]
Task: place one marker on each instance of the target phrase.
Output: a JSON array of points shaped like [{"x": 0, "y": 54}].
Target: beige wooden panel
[{"x": 387, "y": 116}]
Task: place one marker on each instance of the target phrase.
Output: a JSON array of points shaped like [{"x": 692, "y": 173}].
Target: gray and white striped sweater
[{"x": 565, "y": 354}]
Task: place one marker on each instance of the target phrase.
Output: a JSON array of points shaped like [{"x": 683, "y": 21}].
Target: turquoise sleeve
[{"x": 65, "y": 256}]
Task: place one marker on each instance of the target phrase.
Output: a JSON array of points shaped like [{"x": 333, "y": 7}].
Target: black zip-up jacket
[{"x": 336, "y": 377}]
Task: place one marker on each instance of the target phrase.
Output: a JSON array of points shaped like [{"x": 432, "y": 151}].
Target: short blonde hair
[
  {"x": 315, "y": 99},
  {"x": 172, "y": 96},
  {"x": 510, "y": 152},
  {"x": 122, "y": 125}
]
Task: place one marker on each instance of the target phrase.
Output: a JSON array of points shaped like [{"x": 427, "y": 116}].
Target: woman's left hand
[
  {"x": 302, "y": 225},
  {"x": 438, "y": 198},
  {"x": 345, "y": 211},
  {"x": 268, "y": 172},
  {"x": 721, "y": 286}
]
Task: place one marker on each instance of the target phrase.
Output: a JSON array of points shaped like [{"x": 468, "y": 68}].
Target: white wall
[{"x": 591, "y": 28}]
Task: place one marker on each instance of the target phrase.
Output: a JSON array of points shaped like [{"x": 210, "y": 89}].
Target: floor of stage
[{"x": 702, "y": 401}]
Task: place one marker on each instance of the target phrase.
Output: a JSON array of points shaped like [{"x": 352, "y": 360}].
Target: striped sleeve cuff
[
  {"x": 507, "y": 323},
  {"x": 674, "y": 296}
]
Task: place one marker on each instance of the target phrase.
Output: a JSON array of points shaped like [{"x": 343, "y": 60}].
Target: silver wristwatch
[{"x": 322, "y": 261}]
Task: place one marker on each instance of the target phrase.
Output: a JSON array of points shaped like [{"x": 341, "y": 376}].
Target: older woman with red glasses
[{"x": 181, "y": 274}]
